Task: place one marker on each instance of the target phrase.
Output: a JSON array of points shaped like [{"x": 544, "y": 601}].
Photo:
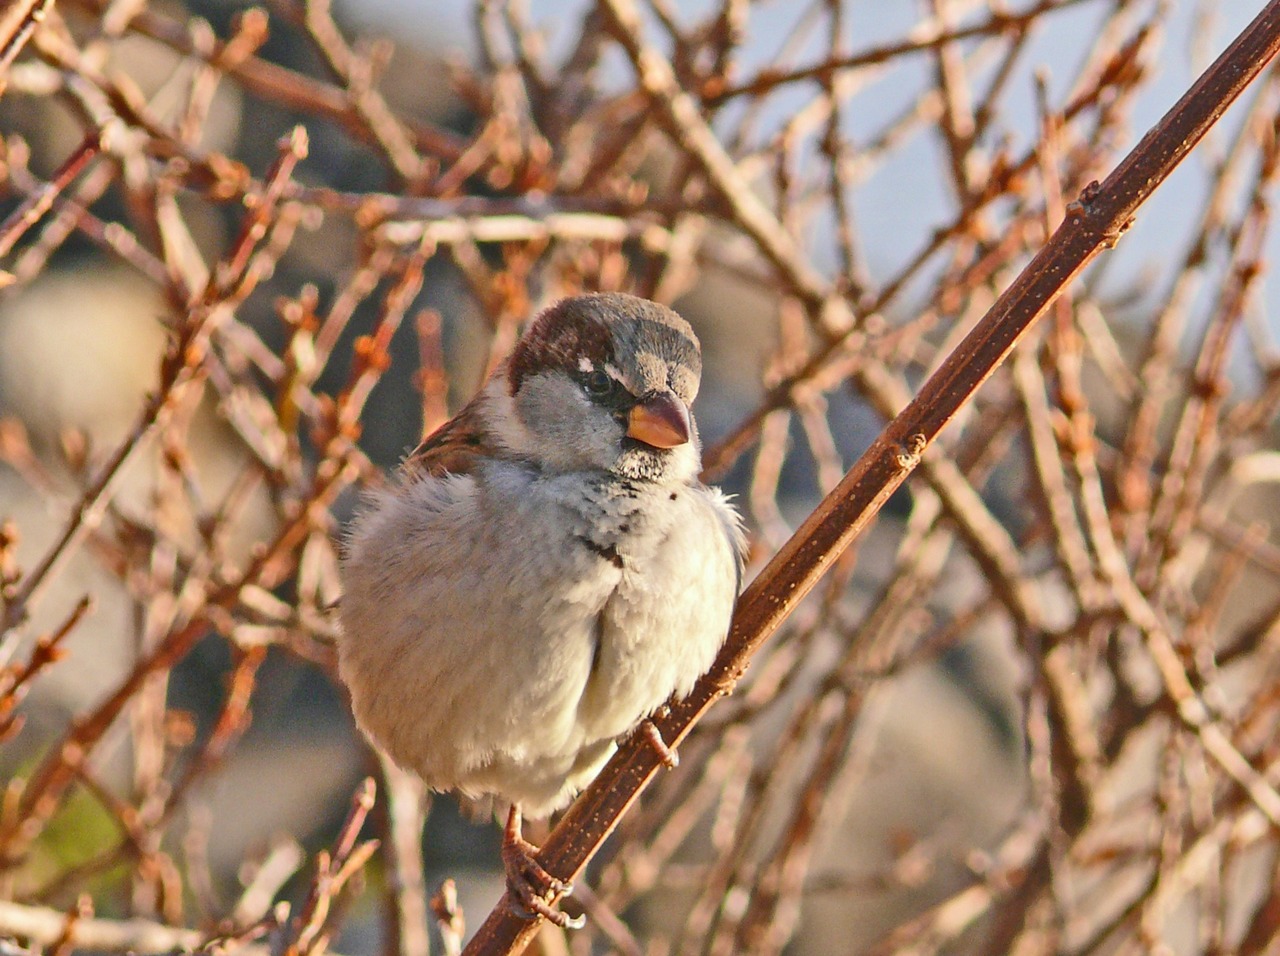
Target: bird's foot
[
  {"x": 653, "y": 737},
  {"x": 528, "y": 883}
]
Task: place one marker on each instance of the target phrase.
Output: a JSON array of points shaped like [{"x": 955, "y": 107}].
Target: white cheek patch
[{"x": 612, "y": 371}]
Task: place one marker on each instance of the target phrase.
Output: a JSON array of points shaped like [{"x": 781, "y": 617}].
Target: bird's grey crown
[{"x": 607, "y": 328}]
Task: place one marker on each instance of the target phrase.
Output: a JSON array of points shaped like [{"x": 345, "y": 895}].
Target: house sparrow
[{"x": 546, "y": 573}]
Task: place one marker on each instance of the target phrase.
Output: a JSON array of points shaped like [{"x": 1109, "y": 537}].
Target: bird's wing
[{"x": 455, "y": 448}]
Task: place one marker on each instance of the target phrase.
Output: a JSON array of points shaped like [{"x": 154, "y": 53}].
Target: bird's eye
[{"x": 598, "y": 384}]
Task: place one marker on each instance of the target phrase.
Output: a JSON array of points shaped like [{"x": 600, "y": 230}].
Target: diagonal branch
[
  {"x": 17, "y": 25},
  {"x": 1103, "y": 212}
]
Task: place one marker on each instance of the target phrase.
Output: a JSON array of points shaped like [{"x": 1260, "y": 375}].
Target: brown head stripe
[{"x": 578, "y": 328}]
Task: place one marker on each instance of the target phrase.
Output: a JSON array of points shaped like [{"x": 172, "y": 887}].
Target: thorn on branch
[{"x": 908, "y": 456}]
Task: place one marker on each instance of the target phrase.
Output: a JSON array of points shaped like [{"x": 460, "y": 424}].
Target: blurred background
[{"x": 251, "y": 254}]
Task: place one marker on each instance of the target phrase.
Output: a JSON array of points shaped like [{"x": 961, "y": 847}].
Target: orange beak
[{"x": 661, "y": 420}]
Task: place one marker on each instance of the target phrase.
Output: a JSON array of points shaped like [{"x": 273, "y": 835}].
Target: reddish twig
[
  {"x": 310, "y": 929},
  {"x": 38, "y": 203},
  {"x": 20, "y": 21}
]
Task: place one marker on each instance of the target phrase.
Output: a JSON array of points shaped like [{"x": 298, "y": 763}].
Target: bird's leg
[
  {"x": 528, "y": 883},
  {"x": 653, "y": 737}
]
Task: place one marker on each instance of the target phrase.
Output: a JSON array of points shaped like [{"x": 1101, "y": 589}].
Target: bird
[{"x": 545, "y": 572}]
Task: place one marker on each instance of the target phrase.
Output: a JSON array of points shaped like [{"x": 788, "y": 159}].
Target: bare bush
[{"x": 248, "y": 262}]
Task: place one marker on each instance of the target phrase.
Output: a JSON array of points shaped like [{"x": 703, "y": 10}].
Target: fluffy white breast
[{"x": 501, "y": 630}]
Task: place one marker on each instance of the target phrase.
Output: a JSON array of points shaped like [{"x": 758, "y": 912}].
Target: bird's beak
[{"x": 661, "y": 420}]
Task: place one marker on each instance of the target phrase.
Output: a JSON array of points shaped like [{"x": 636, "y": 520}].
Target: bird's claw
[
  {"x": 528, "y": 882},
  {"x": 653, "y": 737},
  {"x": 534, "y": 906}
]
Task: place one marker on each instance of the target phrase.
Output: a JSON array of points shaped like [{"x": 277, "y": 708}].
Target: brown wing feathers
[{"x": 456, "y": 447}]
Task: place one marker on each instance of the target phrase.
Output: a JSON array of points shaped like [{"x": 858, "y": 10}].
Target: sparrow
[{"x": 546, "y": 572}]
